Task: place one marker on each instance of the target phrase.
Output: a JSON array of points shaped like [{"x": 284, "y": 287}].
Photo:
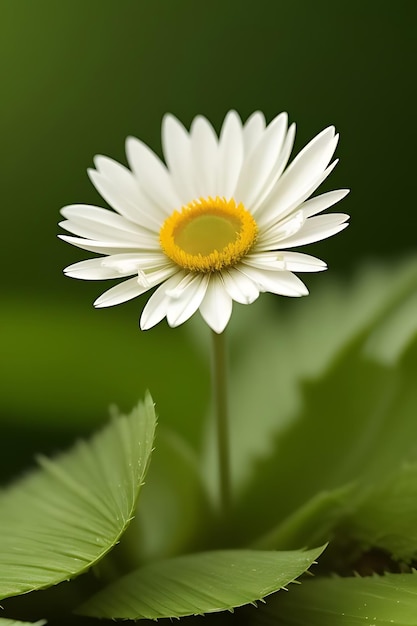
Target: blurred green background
[{"x": 78, "y": 77}]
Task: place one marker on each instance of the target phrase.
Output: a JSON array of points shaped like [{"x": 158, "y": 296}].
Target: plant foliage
[{"x": 62, "y": 518}]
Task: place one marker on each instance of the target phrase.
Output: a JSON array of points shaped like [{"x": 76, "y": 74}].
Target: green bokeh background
[{"x": 79, "y": 76}]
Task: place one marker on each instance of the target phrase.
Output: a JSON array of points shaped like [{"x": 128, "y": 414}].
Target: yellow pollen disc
[{"x": 208, "y": 234}]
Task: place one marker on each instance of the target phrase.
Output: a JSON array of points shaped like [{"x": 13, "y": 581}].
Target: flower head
[{"x": 211, "y": 226}]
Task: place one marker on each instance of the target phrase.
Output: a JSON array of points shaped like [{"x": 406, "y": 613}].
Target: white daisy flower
[{"x": 211, "y": 226}]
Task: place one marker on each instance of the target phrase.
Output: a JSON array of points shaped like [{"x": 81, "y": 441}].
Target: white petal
[
  {"x": 216, "y": 308},
  {"x": 266, "y": 260},
  {"x": 133, "y": 287},
  {"x": 302, "y": 174},
  {"x": 139, "y": 261},
  {"x": 272, "y": 213},
  {"x": 157, "y": 306},
  {"x": 155, "y": 275},
  {"x": 186, "y": 298},
  {"x": 312, "y": 160},
  {"x": 253, "y": 130},
  {"x": 239, "y": 286},
  {"x": 124, "y": 196},
  {"x": 89, "y": 215},
  {"x": 95, "y": 269},
  {"x": 268, "y": 240},
  {"x": 153, "y": 177},
  {"x": 316, "y": 229},
  {"x": 143, "y": 243},
  {"x": 276, "y": 173},
  {"x": 259, "y": 167},
  {"x": 230, "y": 157},
  {"x": 298, "y": 262},
  {"x": 204, "y": 147},
  {"x": 280, "y": 260},
  {"x": 283, "y": 283},
  {"x": 122, "y": 292},
  {"x": 176, "y": 145},
  {"x": 95, "y": 230},
  {"x": 320, "y": 203}
]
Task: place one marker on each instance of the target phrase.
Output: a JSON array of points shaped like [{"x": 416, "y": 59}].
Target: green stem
[{"x": 219, "y": 383}]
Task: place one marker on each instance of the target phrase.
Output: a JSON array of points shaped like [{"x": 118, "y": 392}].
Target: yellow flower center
[{"x": 208, "y": 234}]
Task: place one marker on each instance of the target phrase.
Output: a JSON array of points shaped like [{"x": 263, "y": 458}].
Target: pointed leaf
[
  {"x": 62, "y": 518},
  {"x": 358, "y": 424},
  {"x": 374, "y": 601},
  {"x": 199, "y": 583}
]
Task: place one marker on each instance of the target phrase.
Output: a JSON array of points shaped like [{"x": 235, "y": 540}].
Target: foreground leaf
[
  {"x": 199, "y": 583},
  {"x": 376, "y": 601},
  {"x": 64, "y": 517}
]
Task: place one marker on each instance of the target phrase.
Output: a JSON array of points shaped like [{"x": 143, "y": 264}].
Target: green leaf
[
  {"x": 199, "y": 583},
  {"x": 357, "y": 424},
  {"x": 13, "y": 622},
  {"x": 375, "y": 601},
  {"x": 387, "y": 519},
  {"x": 61, "y": 519}
]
